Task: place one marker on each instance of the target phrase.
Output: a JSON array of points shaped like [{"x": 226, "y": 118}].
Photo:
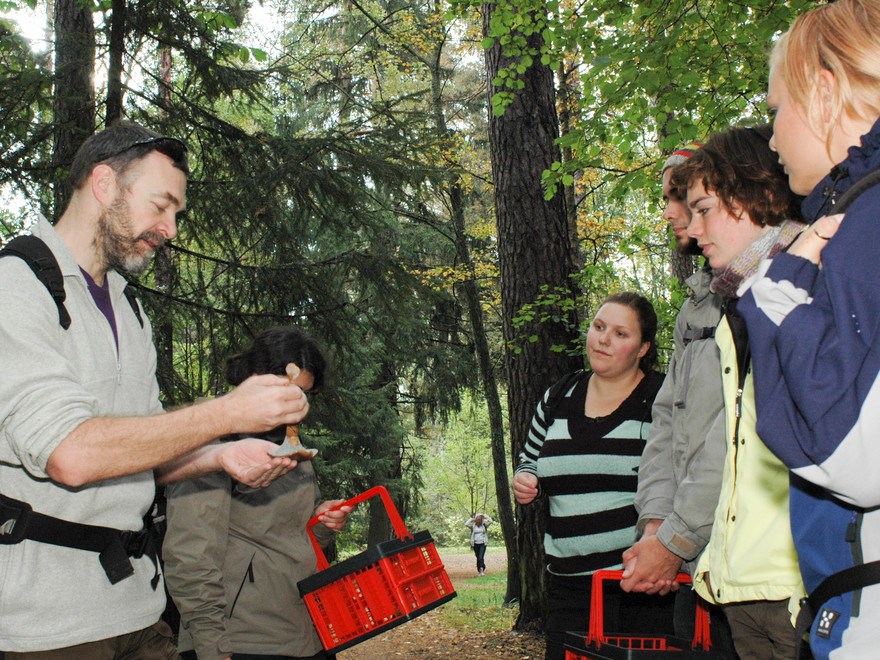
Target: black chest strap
[
  {"x": 18, "y": 521},
  {"x": 850, "y": 579},
  {"x": 697, "y": 334}
]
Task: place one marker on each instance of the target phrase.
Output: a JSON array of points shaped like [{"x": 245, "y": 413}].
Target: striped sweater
[{"x": 588, "y": 468}]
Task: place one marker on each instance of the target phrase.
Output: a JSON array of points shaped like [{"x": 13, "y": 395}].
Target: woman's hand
[
  {"x": 525, "y": 487},
  {"x": 814, "y": 238},
  {"x": 334, "y": 520}
]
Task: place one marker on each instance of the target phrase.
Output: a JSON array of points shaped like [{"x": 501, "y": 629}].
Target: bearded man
[
  {"x": 83, "y": 438},
  {"x": 680, "y": 468}
]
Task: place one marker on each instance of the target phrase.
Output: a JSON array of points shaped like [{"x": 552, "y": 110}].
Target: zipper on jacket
[
  {"x": 248, "y": 577},
  {"x": 853, "y": 537},
  {"x": 830, "y": 192}
]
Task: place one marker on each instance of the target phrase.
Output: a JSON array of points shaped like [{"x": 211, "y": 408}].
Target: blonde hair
[{"x": 842, "y": 38}]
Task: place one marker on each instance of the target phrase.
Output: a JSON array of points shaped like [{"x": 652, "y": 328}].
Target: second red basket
[{"x": 598, "y": 644}]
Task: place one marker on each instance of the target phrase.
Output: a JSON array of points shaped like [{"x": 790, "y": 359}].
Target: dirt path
[{"x": 426, "y": 638}]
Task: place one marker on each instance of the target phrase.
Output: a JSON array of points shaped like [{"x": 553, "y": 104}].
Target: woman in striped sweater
[{"x": 583, "y": 452}]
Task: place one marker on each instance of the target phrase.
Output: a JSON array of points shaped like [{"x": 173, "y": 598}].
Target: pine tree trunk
[
  {"x": 534, "y": 249},
  {"x": 166, "y": 269},
  {"x": 114, "y": 69},
  {"x": 681, "y": 265},
  {"x": 385, "y": 466},
  {"x": 74, "y": 89}
]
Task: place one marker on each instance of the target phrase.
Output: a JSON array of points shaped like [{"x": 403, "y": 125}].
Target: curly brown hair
[{"x": 739, "y": 167}]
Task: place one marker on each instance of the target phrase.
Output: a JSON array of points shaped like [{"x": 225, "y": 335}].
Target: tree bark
[
  {"x": 113, "y": 111},
  {"x": 74, "y": 102},
  {"x": 567, "y": 101},
  {"x": 166, "y": 269},
  {"x": 385, "y": 466},
  {"x": 681, "y": 265},
  {"x": 534, "y": 249}
]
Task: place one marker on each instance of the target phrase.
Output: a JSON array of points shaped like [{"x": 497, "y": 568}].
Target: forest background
[{"x": 440, "y": 193}]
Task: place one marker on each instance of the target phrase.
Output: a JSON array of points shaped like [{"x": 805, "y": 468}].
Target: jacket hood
[
  {"x": 860, "y": 160},
  {"x": 698, "y": 283}
]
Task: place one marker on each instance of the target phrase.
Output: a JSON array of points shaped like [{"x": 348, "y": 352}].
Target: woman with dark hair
[
  {"x": 742, "y": 212},
  {"x": 233, "y": 555},
  {"x": 271, "y": 352},
  {"x": 583, "y": 452}
]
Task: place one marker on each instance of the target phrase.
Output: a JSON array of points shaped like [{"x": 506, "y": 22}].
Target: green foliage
[
  {"x": 457, "y": 476},
  {"x": 313, "y": 200},
  {"x": 25, "y": 101},
  {"x": 650, "y": 75}
]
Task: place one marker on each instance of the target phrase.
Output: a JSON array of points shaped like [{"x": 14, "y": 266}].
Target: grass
[{"x": 479, "y": 605}]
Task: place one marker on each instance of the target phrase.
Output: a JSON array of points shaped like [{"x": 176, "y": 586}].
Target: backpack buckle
[{"x": 14, "y": 518}]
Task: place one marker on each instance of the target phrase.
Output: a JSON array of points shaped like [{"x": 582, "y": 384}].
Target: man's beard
[
  {"x": 689, "y": 247},
  {"x": 117, "y": 247}
]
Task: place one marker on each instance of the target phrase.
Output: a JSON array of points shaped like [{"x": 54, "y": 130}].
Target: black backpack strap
[
  {"x": 39, "y": 258},
  {"x": 18, "y": 521},
  {"x": 132, "y": 300},
  {"x": 558, "y": 390},
  {"x": 852, "y": 193},
  {"x": 836, "y": 584}
]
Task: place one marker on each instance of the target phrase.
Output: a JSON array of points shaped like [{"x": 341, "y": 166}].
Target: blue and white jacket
[{"x": 816, "y": 359}]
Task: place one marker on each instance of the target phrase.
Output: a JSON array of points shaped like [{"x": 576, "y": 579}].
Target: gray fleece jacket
[
  {"x": 52, "y": 381},
  {"x": 680, "y": 469}
]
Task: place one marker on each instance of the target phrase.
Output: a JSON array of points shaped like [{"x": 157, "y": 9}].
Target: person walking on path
[{"x": 479, "y": 525}]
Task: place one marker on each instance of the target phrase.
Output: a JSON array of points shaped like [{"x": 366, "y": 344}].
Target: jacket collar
[{"x": 860, "y": 160}]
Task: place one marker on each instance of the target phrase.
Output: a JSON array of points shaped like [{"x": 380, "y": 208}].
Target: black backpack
[{"x": 39, "y": 258}]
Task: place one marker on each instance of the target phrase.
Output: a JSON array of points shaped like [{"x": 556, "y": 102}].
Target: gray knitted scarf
[{"x": 776, "y": 239}]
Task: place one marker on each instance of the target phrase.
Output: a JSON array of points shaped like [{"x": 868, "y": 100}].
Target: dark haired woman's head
[
  {"x": 646, "y": 319},
  {"x": 738, "y": 167},
  {"x": 270, "y": 353}
]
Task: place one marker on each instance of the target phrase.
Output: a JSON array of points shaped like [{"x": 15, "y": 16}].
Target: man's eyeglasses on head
[{"x": 170, "y": 146}]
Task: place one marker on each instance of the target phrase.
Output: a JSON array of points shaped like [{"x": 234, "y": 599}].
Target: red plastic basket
[
  {"x": 378, "y": 589},
  {"x": 599, "y": 645}
]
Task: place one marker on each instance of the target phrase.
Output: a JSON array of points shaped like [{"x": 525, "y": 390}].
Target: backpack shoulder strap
[
  {"x": 39, "y": 258},
  {"x": 696, "y": 334},
  {"x": 558, "y": 390},
  {"x": 133, "y": 301},
  {"x": 852, "y": 193}
]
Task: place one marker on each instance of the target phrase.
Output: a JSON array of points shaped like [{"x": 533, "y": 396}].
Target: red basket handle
[
  {"x": 393, "y": 515},
  {"x": 596, "y": 632}
]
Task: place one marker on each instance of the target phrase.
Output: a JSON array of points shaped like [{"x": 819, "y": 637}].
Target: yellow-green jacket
[{"x": 750, "y": 555}]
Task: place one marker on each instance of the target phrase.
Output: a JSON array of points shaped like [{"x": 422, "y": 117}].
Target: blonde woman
[
  {"x": 479, "y": 526},
  {"x": 813, "y": 315}
]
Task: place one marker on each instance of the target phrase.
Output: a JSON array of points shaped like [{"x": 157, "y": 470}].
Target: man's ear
[{"x": 103, "y": 184}]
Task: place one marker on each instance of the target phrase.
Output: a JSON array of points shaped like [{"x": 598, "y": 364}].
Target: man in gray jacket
[
  {"x": 83, "y": 439},
  {"x": 680, "y": 469}
]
